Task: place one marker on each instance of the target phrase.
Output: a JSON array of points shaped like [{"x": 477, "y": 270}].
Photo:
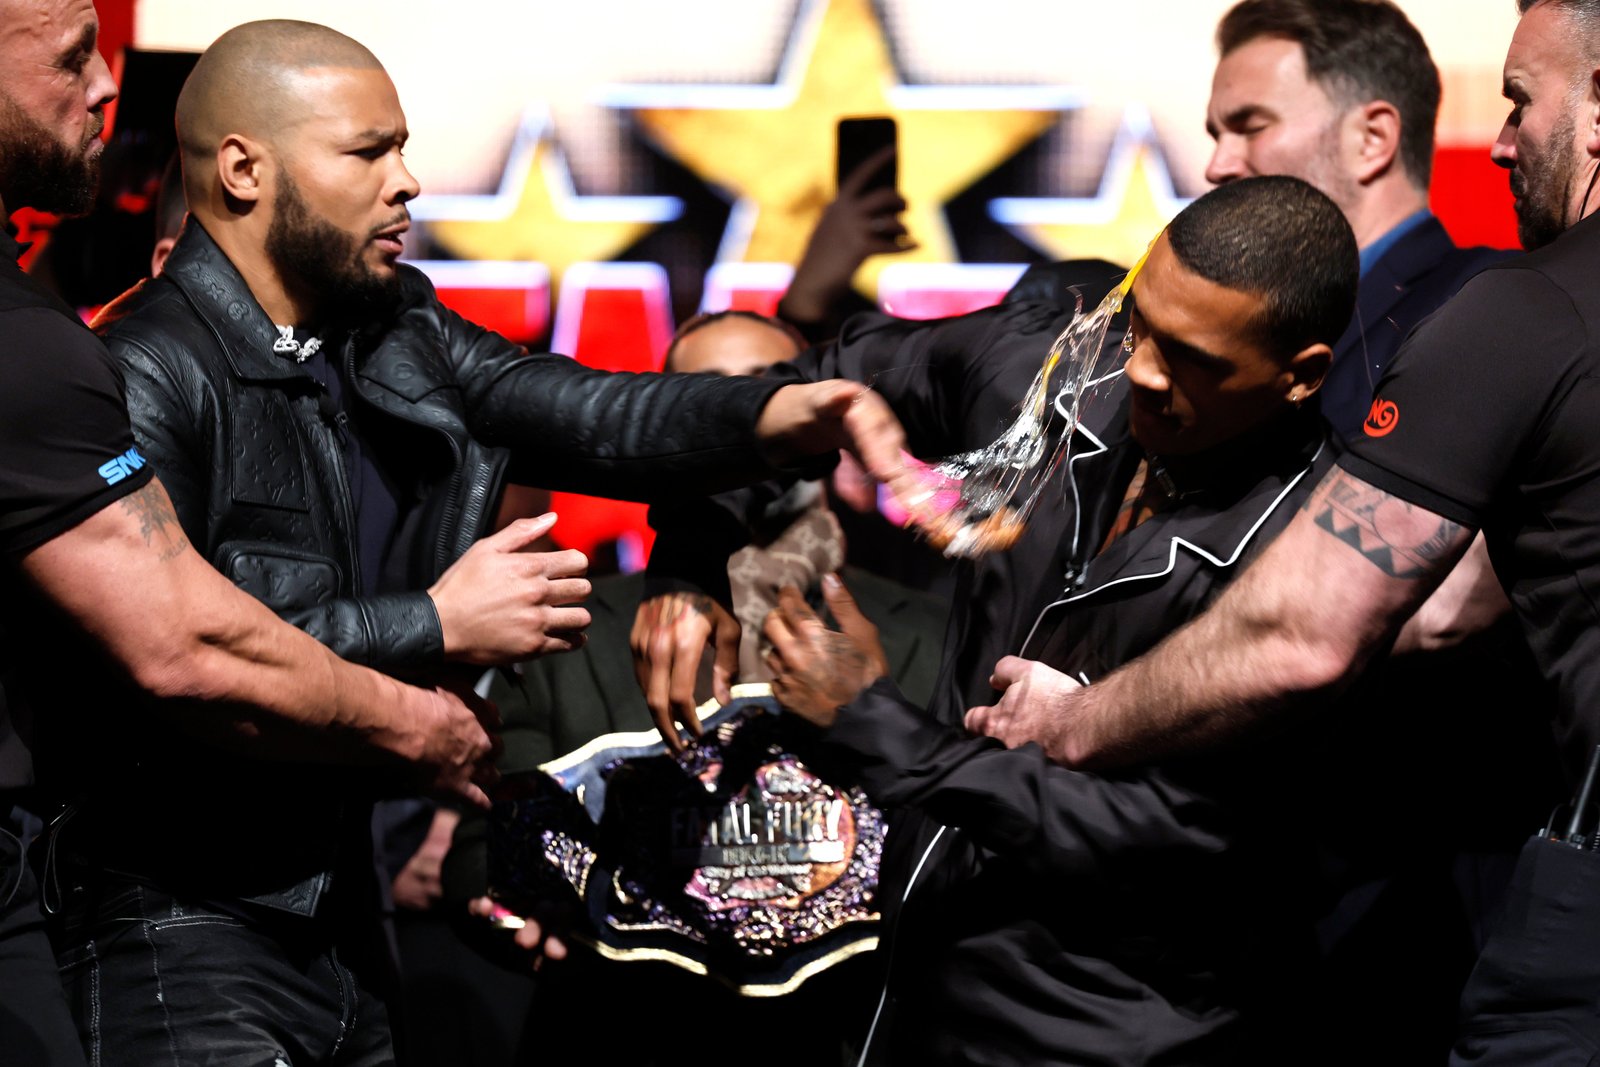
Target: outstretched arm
[
  {"x": 1322, "y": 600},
  {"x": 230, "y": 669}
]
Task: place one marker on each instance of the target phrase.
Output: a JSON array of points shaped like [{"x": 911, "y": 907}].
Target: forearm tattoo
[
  {"x": 158, "y": 523},
  {"x": 1400, "y": 539}
]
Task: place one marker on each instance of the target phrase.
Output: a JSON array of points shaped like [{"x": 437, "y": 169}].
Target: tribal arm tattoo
[
  {"x": 1400, "y": 539},
  {"x": 1302, "y": 621}
]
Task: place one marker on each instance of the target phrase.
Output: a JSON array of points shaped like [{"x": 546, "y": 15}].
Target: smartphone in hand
[{"x": 859, "y": 139}]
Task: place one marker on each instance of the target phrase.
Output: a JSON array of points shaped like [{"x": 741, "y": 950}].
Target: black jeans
[
  {"x": 155, "y": 981},
  {"x": 35, "y": 1027},
  {"x": 1534, "y": 997}
]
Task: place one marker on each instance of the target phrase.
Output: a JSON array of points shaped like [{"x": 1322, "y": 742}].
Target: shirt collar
[{"x": 1376, "y": 250}]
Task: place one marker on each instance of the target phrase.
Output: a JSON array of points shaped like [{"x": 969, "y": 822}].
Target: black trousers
[
  {"x": 35, "y": 1027},
  {"x": 1534, "y": 996},
  {"x": 159, "y": 981}
]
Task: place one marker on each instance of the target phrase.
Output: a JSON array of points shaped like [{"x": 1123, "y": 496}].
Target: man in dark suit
[{"x": 1343, "y": 94}]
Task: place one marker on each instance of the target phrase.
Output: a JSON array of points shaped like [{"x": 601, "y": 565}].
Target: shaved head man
[
  {"x": 335, "y": 440},
  {"x": 291, "y": 137}
]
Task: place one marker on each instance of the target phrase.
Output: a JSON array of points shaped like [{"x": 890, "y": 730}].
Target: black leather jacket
[{"x": 246, "y": 446}]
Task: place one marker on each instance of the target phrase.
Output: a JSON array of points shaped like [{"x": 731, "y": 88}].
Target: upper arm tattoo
[
  {"x": 1399, "y": 538},
  {"x": 158, "y": 523}
]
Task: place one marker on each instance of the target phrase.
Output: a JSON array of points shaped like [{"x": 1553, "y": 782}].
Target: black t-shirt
[
  {"x": 1490, "y": 416},
  {"x": 66, "y": 449}
]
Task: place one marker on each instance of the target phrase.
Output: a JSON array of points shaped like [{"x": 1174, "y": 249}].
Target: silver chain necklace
[{"x": 286, "y": 345}]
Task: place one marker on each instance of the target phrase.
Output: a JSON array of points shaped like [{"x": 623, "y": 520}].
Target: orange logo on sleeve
[{"x": 1383, "y": 417}]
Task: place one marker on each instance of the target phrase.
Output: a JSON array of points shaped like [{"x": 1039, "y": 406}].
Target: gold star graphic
[
  {"x": 1134, "y": 203},
  {"x": 536, "y": 215},
  {"x": 772, "y": 147}
]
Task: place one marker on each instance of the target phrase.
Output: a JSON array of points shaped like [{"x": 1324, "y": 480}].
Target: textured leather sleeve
[
  {"x": 390, "y": 632},
  {"x": 172, "y": 417},
  {"x": 924, "y": 370},
  {"x": 1014, "y": 802},
  {"x": 629, "y": 436}
]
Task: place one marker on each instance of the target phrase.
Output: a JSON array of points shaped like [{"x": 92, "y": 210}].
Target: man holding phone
[{"x": 862, "y": 221}]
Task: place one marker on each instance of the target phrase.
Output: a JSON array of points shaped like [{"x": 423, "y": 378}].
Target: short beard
[
  {"x": 1542, "y": 201},
  {"x": 326, "y": 260},
  {"x": 39, "y": 170}
]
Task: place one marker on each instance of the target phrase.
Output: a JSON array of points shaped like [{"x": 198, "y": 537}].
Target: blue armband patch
[{"x": 113, "y": 471}]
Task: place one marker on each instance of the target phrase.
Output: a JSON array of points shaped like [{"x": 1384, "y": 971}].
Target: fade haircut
[
  {"x": 1281, "y": 239},
  {"x": 1356, "y": 51}
]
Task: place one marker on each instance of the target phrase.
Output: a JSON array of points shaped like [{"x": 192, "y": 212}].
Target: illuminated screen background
[
  {"x": 1082, "y": 120},
  {"x": 593, "y": 173}
]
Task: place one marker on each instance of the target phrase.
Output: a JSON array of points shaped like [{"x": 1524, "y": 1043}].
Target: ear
[
  {"x": 1378, "y": 139},
  {"x": 1590, "y": 117},
  {"x": 158, "y": 258},
  {"x": 241, "y": 167},
  {"x": 1305, "y": 371}
]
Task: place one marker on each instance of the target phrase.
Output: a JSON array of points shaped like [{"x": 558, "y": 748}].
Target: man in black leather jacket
[{"x": 335, "y": 440}]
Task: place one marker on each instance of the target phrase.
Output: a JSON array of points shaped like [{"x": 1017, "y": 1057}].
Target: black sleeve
[
  {"x": 940, "y": 376},
  {"x": 1015, "y": 802},
  {"x": 66, "y": 449},
  {"x": 1465, "y": 397},
  {"x": 940, "y": 379},
  {"x": 615, "y": 434},
  {"x": 392, "y": 632}
]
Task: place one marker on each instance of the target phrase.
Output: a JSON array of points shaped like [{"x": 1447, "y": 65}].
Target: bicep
[
  {"x": 1359, "y": 560},
  {"x": 127, "y": 575}
]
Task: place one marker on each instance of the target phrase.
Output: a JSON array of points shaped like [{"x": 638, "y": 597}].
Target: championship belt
[{"x": 732, "y": 859}]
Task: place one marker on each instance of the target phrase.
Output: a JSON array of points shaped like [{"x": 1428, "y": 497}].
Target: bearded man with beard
[{"x": 335, "y": 442}]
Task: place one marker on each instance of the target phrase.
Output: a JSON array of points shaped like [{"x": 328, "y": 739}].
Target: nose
[
  {"x": 102, "y": 87},
  {"x": 1227, "y": 161},
  {"x": 1144, "y": 369},
  {"x": 405, "y": 186},
  {"x": 1504, "y": 150}
]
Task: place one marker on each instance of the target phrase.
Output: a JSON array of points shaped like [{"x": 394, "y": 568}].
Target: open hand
[
  {"x": 450, "y": 739},
  {"x": 815, "y": 670},
  {"x": 670, "y": 635},
  {"x": 499, "y": 604}
]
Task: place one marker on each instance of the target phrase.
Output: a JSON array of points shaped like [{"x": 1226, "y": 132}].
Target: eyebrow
[
  {"x": 85, "y": 42},
  {"x": 378, "y": 135},
  {"x": 1174, "y": 346}
]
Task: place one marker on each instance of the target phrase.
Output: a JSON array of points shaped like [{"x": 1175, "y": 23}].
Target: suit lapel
[{"x": 1391, "y": 279}]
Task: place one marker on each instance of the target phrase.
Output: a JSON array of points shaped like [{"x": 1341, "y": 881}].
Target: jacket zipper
[{"x": 338, "y": 433}]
